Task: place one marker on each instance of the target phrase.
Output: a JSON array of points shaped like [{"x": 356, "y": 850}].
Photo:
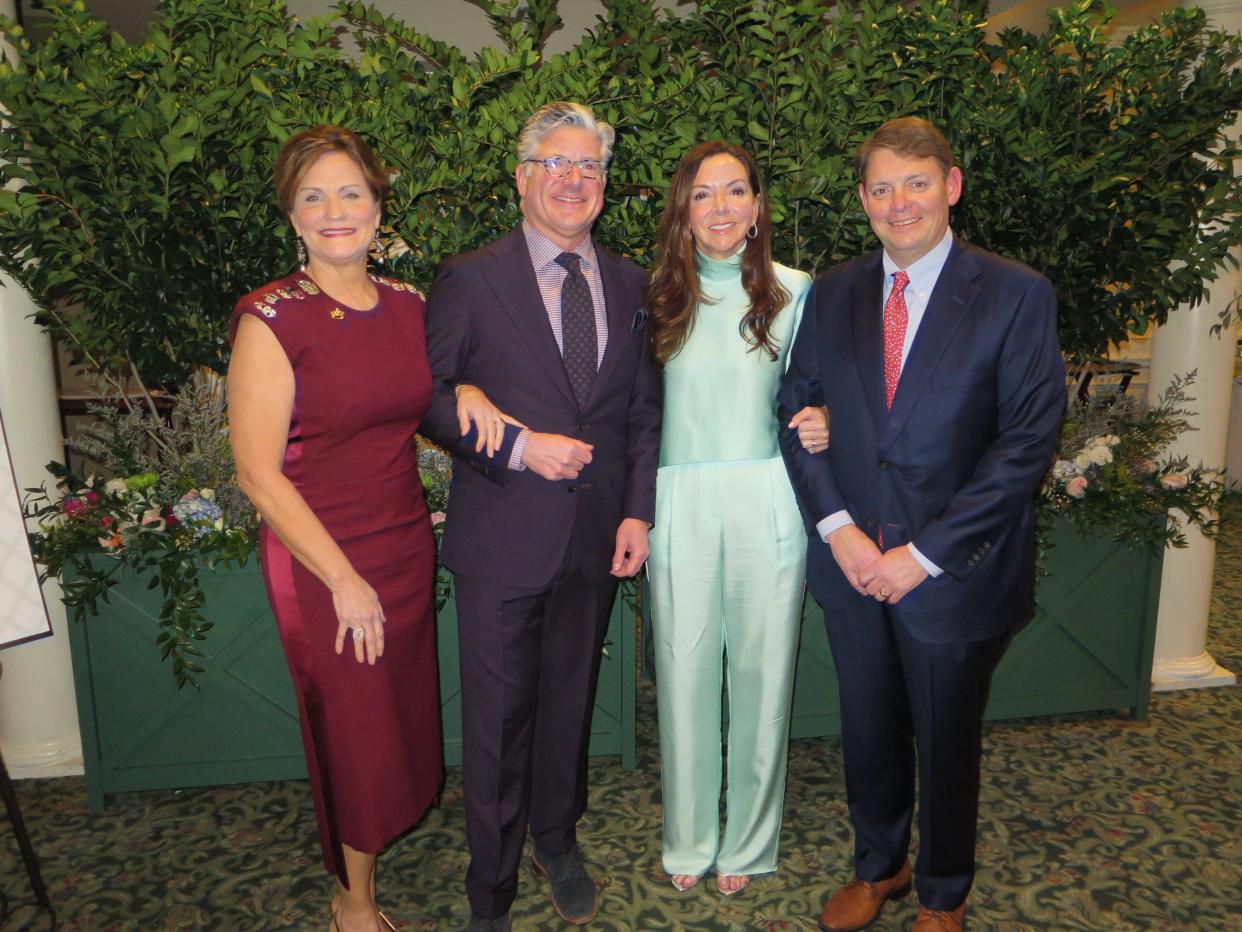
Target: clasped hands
[{"x": 884, "y": 576}]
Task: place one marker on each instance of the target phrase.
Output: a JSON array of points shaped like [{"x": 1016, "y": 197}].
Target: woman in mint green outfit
[{"x": 728, "y": 547}]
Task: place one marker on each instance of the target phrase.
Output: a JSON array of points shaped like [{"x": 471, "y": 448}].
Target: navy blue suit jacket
[
  {"x": 955, "y": 465},
  {"x": 487, "y": 326}
]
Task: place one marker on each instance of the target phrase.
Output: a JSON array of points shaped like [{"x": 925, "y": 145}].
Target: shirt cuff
[
  {"x": 519, "y": 448},
  {"x": 932, "y": 569},
  {"x": 838, "y": 519}
]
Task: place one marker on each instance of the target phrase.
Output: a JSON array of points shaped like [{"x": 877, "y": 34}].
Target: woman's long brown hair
[{"x": 673, "y": 290}]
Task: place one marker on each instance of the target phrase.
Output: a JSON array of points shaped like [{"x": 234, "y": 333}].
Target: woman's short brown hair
[{"x": 303, "y": 149}]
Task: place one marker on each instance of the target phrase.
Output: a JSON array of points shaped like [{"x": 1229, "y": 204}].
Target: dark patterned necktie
[{"x": 578, "y": 341}]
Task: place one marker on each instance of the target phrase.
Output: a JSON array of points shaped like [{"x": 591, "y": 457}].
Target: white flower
[
  {"x": 1083, "y": 460},
  {"x": 1063, "y": 469},
  {"x": 115, "y": 486},
  {"x": 1100, "y": 455},
  {"x": 208, "y": 494}
]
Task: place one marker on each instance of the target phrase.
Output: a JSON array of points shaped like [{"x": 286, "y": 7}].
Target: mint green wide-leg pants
[{"x": 727, "y": 567}]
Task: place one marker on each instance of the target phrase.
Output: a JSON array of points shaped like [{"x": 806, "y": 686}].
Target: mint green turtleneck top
[{"x": 719, "y": 392}]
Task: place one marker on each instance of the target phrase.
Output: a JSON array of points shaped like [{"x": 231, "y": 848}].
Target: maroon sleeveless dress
[{"x": 372, "y": 734}]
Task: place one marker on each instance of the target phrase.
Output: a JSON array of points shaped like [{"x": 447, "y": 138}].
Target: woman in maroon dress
[{"x": 327, "y": 385}]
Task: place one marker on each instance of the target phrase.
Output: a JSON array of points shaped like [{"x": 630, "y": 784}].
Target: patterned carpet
[{"x": 1088, "y": 822}]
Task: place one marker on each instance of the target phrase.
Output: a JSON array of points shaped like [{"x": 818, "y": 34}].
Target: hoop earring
[
  {"x": 302, "y": 257},
  {"x": 752, "y": 232}
]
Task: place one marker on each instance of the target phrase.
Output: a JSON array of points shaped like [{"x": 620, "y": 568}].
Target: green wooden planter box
[
  {"x": 1089, "y": 646},
  {"x": 140, "y": 732}
]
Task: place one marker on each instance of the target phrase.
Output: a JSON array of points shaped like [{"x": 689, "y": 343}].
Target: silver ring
[{"x": 359, "y": 634}]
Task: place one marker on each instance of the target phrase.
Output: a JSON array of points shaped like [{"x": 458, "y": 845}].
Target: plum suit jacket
[{"x": 487, "y": 326}]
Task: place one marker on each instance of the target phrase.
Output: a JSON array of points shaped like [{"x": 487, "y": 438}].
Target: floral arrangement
[
  {"x": 1114, "y": 474},
  {"x": 171, "y": 507}
]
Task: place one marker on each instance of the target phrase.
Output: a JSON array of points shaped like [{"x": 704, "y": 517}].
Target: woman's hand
[
  {"x": 812, "y": 427},
  {"x": 473, "y": 405},
  {"x": 358, "y": 610}
]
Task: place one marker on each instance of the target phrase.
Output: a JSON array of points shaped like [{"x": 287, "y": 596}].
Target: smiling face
[
  {"x": 907, "y": 201},
  {"x": 334, "y": 211},
  {"x": 722, "y": 206},
  {"x": 562, "y": 209}
]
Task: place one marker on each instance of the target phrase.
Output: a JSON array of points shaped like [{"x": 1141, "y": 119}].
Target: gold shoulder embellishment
[
  {"x": 308, "y": 286},
  {"x": 265, "y": 309},
  {"x": 337, "y": 314},
  {"x": 396, "y": 284}
]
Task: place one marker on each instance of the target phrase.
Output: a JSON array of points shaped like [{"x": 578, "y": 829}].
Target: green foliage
[
  {"x": 147, "y": 209},
  {"x": 137, "y": 205},
  {"x": 143, "y": 204}
]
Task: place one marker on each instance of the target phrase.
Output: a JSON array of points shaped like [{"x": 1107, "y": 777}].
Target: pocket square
[{"x": 640, "y": 321}]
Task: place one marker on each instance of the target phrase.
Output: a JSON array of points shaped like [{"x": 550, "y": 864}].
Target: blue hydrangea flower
[{"x": 201, "y": 515}]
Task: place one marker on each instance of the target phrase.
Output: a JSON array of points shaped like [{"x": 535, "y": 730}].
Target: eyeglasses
[{"x": 559, "y": 167}]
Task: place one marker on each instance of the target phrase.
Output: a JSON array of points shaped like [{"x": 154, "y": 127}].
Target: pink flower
[
  {"x": 1174, "y": 480},
  {"x": 437, "y": 517},
  {"x": 1076, "y": 487},
  {"x": 106, "y": 521},
  {"x": 73, "y": 506},
  {"x": 91, "y": 498}
]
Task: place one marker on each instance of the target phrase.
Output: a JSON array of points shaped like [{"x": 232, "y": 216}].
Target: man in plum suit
[
  {"x": 548, "y": 324},
  {"x": 940, "y": 366}
]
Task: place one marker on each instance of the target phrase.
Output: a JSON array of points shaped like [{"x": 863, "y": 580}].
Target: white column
[
  {"x": 1185, "y": 343},
  {"x": 38, "y": 713}
]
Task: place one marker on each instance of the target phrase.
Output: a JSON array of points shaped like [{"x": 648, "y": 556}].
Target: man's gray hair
[{"x": 559, "y": 114}]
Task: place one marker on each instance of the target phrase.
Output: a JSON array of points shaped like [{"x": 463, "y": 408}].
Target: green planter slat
[
  {"x": 1088, "y": 648},
  {"x": 241, "y": 725}
]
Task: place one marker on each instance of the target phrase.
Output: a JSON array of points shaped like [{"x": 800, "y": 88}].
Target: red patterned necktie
[{"x": 895, "y": 319}]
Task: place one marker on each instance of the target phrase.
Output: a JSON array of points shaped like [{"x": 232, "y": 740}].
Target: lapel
[
  {"x": 512, "y": 280},
  {"x": 620, "y": 315},
  {"x": 866, "y": 294},
  {"x": 955, "y": 291}
]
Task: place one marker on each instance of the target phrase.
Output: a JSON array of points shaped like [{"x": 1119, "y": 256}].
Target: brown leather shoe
[
  {"x": 939, "y": 920},
  {"x": 857, "y": 904}
]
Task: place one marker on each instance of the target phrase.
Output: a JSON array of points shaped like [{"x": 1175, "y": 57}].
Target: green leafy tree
[{"x": 136, "y": 202}]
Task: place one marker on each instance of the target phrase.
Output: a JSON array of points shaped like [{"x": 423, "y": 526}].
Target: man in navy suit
[
  {"x": 548, "y": 324},
  {"x": 940, "y": 366}
]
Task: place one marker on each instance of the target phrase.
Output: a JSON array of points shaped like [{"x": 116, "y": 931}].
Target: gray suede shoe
[{"x": 574, "y": 896}]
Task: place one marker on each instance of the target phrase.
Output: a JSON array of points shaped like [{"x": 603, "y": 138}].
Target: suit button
[
  {"x": 970, "y": 562},
  {"x": 987, "y": 545},
  {"x": 871, "y": 522},
  {"x": 884, "y": 464},
  {"x": 572, "y": 489}
]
